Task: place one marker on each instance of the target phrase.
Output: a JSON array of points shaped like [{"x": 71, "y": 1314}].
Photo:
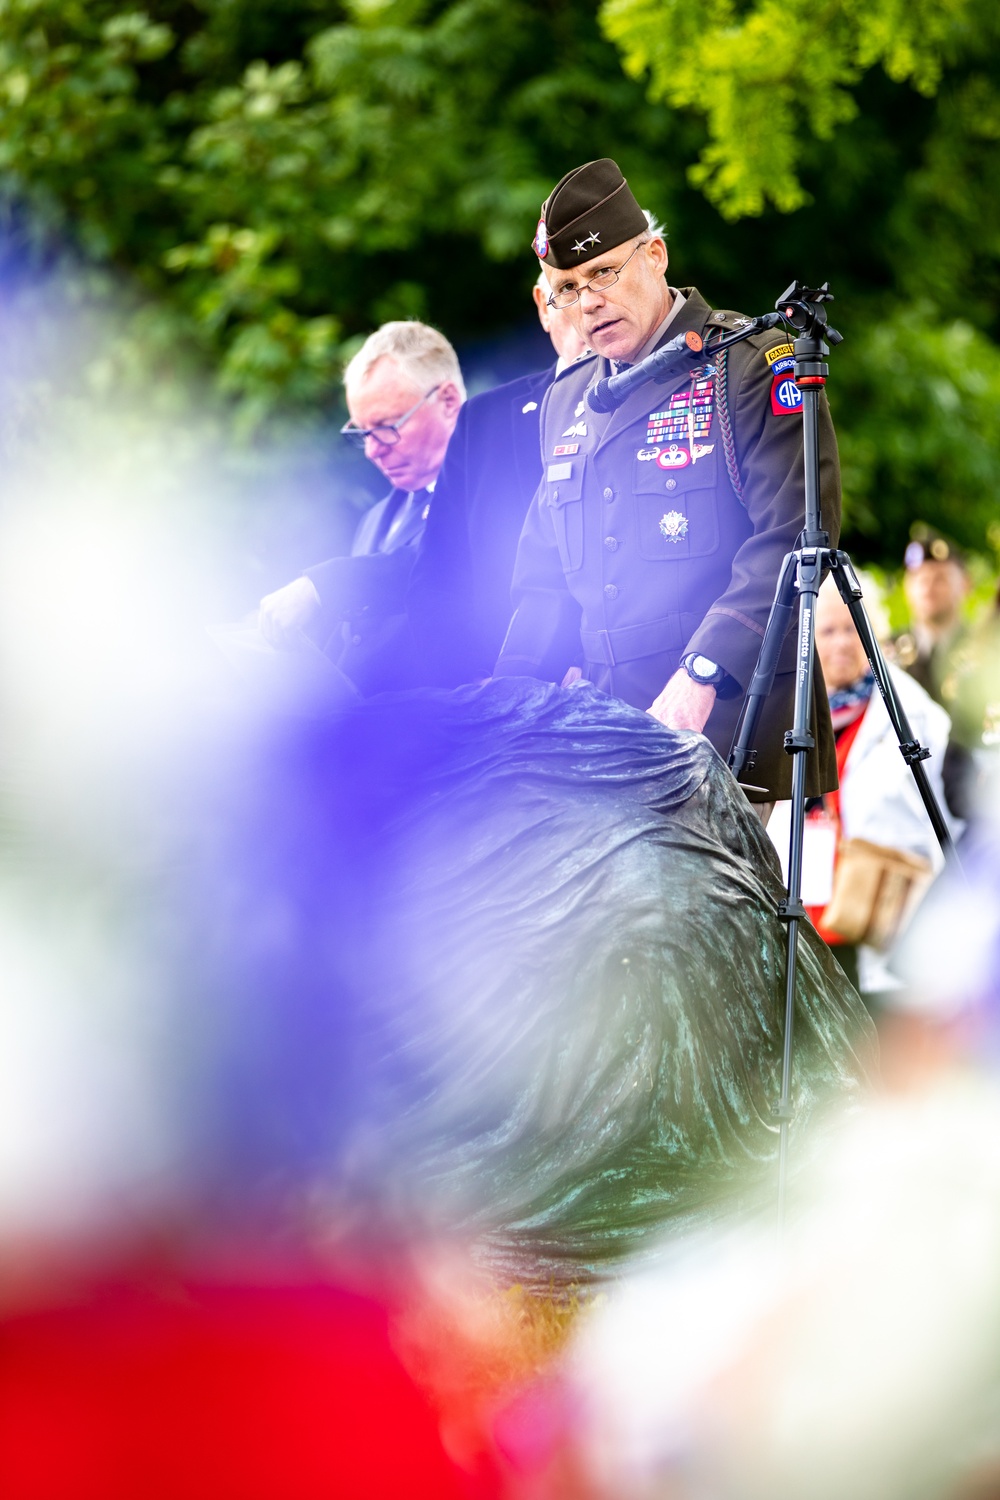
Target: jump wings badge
[{"x": 674, "y": 525}]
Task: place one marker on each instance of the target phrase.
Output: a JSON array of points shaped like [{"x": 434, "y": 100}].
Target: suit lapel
[
  {"x": 527, "y": 458},
  {"x": 411, "y": 523},
  {"x": 375, "y": 524}
]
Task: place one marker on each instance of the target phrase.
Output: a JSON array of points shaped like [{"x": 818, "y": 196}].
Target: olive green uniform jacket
[{"x": 637, "y": 535}]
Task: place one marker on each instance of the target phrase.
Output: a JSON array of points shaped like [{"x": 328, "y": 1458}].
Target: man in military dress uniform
[
  {"x": 937, "y": 650},
  {"x": 659, "y": 529},
  {"x": 935, "y": 583}
]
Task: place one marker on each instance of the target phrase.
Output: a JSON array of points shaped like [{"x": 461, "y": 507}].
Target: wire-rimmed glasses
[
  {"x": 599, "y": 282},
  {"x": 385, "y": 433}
]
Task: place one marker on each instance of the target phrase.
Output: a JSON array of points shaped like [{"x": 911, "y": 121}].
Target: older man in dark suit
[
  {"x": 404, "y": 390},
  {"x": 458, "y": 598}
]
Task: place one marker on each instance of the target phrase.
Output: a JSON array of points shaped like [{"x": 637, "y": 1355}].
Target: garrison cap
[
  {"x": 928, "y": 545},
  {"x": 587, "y": 213}
]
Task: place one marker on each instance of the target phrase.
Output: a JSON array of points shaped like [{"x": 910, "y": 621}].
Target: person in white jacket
[{"x": 878, "y": 798}]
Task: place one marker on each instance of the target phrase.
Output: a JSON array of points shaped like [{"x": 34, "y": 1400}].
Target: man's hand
[
  {"x": 684, "y": 703},
  {"x": 286, "y": 613}
]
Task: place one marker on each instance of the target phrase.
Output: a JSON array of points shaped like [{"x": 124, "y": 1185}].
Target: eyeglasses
[
  {"x": 599, "y": 282},
  {"x": 385, "y": 433}
]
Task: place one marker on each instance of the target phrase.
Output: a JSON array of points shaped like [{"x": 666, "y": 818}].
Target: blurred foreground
[{"x": 317, "y": 1036}]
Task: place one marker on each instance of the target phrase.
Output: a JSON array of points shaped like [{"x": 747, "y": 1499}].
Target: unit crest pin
[{"x": 674, "y": 525}]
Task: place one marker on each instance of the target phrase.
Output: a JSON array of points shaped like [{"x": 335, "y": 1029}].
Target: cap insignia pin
[{"x": 589, "y": 239}]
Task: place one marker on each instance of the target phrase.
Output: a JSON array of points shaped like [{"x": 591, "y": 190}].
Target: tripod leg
[
  {"x": 742, "y": 756},
  {"x": 811, "y": 565},
  {"x": 910, "y": 748}
]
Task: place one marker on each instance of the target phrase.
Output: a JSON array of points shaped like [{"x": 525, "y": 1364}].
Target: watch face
[{"x": 703, "y": 670}]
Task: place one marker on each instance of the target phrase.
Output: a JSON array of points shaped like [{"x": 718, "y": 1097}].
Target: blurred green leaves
[
  {"x": 766, "y": 73},
  {"x": 261, "y": 182},
  {"x": 923, "y": 436}
]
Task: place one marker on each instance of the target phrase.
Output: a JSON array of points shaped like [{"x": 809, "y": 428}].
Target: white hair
[
  {"x": 873, "y": 599},
  {"x": 422, "y": 353},
  {"x": 654, "y": 231}
]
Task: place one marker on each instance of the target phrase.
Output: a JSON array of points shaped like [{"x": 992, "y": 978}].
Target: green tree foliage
[
  {"x": 284, "y": 183},
  {"x": 768, "y": 72},
  {"x": 923, "y": 437},
  {"x": 856, "y": 140},
  {"x": 275, "y": 177}
]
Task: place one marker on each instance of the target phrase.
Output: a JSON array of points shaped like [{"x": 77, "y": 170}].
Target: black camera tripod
[{"x": 801, "y": 574}]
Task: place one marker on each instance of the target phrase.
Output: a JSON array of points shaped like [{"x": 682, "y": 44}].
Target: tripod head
[{"x": 803, "y": 308}]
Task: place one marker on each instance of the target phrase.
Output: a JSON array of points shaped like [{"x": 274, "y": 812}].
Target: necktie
[
  {"x": 404, "y": 519},
  {"x": 621, "y": 365}
]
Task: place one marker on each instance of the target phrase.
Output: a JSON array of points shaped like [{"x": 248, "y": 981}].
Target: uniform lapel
[{"x": 693, "y": 316}]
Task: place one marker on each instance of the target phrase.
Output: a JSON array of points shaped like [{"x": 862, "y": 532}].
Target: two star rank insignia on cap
[{"x": 586, "y": 242}]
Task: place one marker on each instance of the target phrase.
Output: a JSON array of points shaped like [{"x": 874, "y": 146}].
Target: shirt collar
[{"x": 657, "y": 334}]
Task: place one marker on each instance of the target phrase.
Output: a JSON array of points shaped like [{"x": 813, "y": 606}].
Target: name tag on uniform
[{"x": 559, "y": 471}]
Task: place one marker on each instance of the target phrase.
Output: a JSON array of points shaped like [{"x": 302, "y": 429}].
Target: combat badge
[
  {"x": 674, "y": 526},
  {"x": 673, "y": 457},
  {"x": 786, "y": 398}
]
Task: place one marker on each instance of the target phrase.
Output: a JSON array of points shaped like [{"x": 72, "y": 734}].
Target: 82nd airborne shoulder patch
[{"x": 786, "y": 398}]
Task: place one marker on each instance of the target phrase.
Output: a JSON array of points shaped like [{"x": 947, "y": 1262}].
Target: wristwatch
[
  {"x": 702, "y": 669},
  {"x": 708, "y": 672}
]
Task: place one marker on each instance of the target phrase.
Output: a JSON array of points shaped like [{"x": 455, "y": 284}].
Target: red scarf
[{"x": 831, "y": 809}]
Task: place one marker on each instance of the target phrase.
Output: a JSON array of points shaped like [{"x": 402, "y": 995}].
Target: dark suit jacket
[
  {"x": 458, "y": 599},
  {"x": 363, "y": 621}
]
